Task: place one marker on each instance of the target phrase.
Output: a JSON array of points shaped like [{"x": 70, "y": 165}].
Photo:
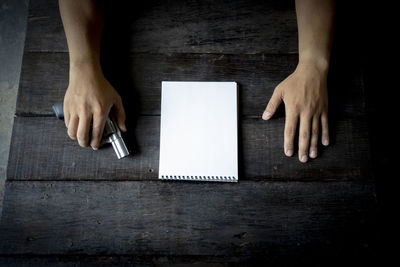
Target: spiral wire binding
[{"x": 199, "y": 178}]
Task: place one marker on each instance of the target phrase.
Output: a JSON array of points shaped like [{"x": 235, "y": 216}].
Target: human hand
[
  {"x": 89, "y": 98},
  {"x": 305, "y": 95}
]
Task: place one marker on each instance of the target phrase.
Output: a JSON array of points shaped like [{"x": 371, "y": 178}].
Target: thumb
[
  {"x": 273, "y": 104},
  {"x": 119, "y": 112}
]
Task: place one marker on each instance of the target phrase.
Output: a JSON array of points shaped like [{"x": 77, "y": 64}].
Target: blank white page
[{"x": 198, "y": 139}]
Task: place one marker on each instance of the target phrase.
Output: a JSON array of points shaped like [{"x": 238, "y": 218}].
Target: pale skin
[
  {"x": 90, "y": 97},
  {"x": 305, "y": 92}
]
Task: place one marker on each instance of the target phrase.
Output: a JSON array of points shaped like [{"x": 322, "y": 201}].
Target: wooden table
[{"x": 67, "y": 204}]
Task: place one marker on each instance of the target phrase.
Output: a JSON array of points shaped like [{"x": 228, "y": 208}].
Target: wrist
[
  {"x": 84, "y": 67},
  {"x": 313, "y": 69},
  {"x": 321, "y": 63},
  {"x": 88, "y": 61}
]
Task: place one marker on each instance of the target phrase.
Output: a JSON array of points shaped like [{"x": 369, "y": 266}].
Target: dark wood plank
[
  {"x": 239, "y": 26},
  {"x": 170, "y": 218},
  {"x": 44, "y": 78},
  {"x": 270, "y": 259},
  {"x": 48, "y": 153},
  {"x": 41, "y": 150},
  {"x": 138, "y": 77},
  {"x": 126, "y": 260},
  {"x": 57, "y": 212}
]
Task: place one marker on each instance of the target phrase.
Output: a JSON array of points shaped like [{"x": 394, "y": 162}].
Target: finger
[
  {"x": 99, "y": 121},
  {"x": 73, "y": 126},
  {"x": 314, "y": 137},
  {"x": 289, "y": 134},
  {"x": 273, "y": 104},
  {"x": 66, "y": 115},
  {"x": 304, "y": 137},
  {"x": 83, "y": 130},
  {"x": 66, "y": 119},
  {"x": 119, "y": 112},
  {"x": 325, "y": 129}
]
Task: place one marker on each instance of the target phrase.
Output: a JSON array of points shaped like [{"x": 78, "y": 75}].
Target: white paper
[{"x": 198, "y": 139}]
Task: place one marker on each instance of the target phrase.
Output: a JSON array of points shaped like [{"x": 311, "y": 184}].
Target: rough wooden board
[
  {"x": 126, "y": 260},
  {"x": 138, "y": 77},
  {"x": 239, "y": 26},
  {"x": 48, "y": 153},
  {"x": 41, "y": 150},
  {"x": 305, "y": 258},
  {"x": 44, "y": 218},
  {"x": 171, "y": 218}
]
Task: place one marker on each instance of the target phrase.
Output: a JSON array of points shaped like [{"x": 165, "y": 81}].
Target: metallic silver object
[{"x": 111, "y": 133}]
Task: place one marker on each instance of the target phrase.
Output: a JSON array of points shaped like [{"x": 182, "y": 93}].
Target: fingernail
[
  {"x": 123, "y": 128},
  {"x": 325, "y": 142},
  {"x": 94, "y": 148},
  {"x": 313, "y": 154},
  {"x": 289, "y": 152},
  {"x": 266, "y": 115},
  {"x": 303, "y": 158}
]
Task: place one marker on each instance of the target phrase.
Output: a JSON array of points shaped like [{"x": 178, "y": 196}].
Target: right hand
[{"x": 89, "y": 98}]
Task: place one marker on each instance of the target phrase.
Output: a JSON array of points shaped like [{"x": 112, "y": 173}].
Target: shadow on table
[{"x": 116, "y": 63}]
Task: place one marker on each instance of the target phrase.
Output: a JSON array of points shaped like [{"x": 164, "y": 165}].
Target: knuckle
[
  {"x": 272, "y": 102},
  {"x": 311, "y": 107},
  {"x": 314, "y": 141},
  {"x": 99, "y": 109},
  {"x": 304, "y": 135},
  {"x": 307, "y": 114},
  {"x": 83, "y": 108},
  {"x": 297, "y": 107},
  {"x": 97, "y": 129},
  {"x": 270, "y": 106},
  {"x": 96, "y": 134},
  {"x": 290, "y": 131},
  {"x": 314, "y": 132}
]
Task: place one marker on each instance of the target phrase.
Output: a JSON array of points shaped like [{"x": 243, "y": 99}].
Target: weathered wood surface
[
  {"x": 179, "y": 26},
  {"x": 301, "y": 259},
  {"x": 138, "y": 77},
  {"x": 169, "y": 218},
  {"x": 66, "y": 205},
  {"x": 41, "y": 150}
]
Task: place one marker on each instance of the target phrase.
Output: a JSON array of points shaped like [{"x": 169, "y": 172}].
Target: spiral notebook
[{"x": 198, "y": 138}]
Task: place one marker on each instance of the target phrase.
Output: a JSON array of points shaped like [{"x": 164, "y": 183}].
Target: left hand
[{"x": 305, "y": 95}]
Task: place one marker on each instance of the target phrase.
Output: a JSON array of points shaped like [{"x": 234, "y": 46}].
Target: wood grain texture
[
  {"x": 306, "y": 258},
  {"x": 41, "y": 150},
  {"x": 169, "y": 218},
  {"x": 65, "y": 205},
  {"x": 138, "y": 77},
  {"x": 178, "y": 26}
]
